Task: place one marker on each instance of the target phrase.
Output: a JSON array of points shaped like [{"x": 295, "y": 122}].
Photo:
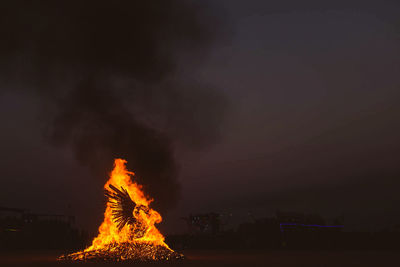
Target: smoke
[{"x": 109, "y": 69}]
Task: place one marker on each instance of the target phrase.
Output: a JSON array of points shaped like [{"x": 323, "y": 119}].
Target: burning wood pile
[
  {"x": 128, "y": 231},
  {"x": 125, "y": 252}
]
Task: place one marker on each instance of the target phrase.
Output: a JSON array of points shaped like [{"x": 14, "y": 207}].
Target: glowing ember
[{"x": 128, "y": 231}]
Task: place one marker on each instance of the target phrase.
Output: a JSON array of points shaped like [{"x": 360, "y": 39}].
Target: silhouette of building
[
  {"x": 207, "y": 223},
  {"x": 20, "y": 228}
]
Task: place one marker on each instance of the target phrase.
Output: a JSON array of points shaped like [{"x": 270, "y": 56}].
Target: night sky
[{"x": 237, "y": 107}]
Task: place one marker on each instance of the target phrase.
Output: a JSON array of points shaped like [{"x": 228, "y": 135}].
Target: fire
[
  {"x": 138, "y": 240},
  {"x": 108, "y": 230}
]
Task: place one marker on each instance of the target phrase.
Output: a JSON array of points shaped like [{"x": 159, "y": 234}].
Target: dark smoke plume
[{"x": 108, "y": 68}]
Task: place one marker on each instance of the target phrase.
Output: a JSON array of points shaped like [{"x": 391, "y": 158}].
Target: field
[{"x": 211, "y": 258}]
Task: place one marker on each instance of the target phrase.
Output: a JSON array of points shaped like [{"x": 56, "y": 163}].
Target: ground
[{"x": 210, "y": 258}]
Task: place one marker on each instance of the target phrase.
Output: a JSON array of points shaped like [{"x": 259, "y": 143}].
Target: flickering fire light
[{"x": 128, "y": 230}]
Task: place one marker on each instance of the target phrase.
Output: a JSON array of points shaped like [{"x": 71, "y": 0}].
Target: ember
[{"x": 128, "y": 231}]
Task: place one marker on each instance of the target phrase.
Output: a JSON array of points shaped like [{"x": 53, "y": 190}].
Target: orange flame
[{"x": 108, "y": 230}]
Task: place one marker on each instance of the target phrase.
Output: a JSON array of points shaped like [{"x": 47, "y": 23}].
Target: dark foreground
[{"x": 229, "y": 258}]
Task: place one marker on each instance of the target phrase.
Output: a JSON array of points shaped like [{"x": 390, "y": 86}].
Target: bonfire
[{"x": 128, "y": 231}]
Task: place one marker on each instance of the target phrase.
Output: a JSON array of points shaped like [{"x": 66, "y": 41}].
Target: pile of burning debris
[
  {"x": 125, "y": 252},
  {"x": 128, "y": 232}
]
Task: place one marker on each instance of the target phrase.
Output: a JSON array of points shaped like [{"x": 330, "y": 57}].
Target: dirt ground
[{"x": 209, "y": 258}]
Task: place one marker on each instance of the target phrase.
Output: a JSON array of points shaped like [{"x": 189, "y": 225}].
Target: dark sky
[{"x": 289, "y": 105}]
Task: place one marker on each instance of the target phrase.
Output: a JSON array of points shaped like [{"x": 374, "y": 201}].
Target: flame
[{"x": 108, "y": 230}]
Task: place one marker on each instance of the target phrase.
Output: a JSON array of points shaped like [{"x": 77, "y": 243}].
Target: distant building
[
  {"x": 293, "y": 221},
  {"x": 207, "y": 223},
  {"x": 20, "y": 228}
]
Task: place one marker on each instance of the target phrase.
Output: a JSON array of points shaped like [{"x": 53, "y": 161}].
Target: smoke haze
[{"x": 106, "y": 72}]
